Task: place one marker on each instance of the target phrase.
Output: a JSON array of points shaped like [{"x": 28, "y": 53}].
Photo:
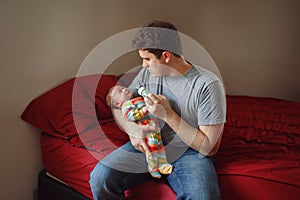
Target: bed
[{"x": 259, "y": 156}]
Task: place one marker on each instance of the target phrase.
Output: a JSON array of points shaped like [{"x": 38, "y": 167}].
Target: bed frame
[{"x": 51, "y": 189}]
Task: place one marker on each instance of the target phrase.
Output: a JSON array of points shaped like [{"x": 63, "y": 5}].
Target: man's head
[
  {"x": 157, "y": 37},
  {"x": 117, "y": 95},
  {"x": 159, "y": 45}
]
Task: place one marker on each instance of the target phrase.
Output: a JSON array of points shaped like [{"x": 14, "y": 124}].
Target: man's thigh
[
  {"x": 126, "y": 159},
  {"x": 194, "y": 177}
]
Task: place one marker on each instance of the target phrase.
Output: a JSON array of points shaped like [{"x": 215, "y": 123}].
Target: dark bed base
[{"x": 51, "y": 189}]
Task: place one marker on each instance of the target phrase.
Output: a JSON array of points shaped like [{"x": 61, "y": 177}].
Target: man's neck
[{"x": 180, "y": 66}]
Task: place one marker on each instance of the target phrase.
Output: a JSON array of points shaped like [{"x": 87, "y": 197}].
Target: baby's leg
[
  {"x": 152, "y": 161},
  {"x": 163, "y": 165}
]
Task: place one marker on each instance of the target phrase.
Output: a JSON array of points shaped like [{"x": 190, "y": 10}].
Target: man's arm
[{"x": 205, "y": 139}]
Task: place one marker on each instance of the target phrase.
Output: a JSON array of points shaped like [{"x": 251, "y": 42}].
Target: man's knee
[
  {"x": 104, "y": 183},
  {"x": 98, "y": 176}
]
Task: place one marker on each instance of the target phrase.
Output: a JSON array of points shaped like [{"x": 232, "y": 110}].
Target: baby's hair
[{"x": 108, "y": 98}]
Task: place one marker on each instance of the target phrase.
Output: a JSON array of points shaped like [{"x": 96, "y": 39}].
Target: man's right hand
[{"x": 136, "y": 132}]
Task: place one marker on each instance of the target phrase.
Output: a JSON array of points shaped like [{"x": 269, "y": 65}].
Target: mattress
[{"x": 49, "y": 188}]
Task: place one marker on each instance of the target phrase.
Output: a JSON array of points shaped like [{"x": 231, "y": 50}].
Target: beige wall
[{"x": 255, "y": 44}]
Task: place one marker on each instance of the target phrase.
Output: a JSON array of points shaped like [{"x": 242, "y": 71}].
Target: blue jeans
[{"x": 193, "y": 177}]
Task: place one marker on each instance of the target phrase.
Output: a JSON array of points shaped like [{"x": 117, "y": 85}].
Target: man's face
[{"x": 153, "y": 64}]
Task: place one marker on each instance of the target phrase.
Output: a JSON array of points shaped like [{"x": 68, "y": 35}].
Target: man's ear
[{"x": 166, "y": 56}]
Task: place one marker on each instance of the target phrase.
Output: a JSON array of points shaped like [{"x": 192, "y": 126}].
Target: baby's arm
[
  {"x": 144, "y": 110},
  {"x": 131, "y": 112}
]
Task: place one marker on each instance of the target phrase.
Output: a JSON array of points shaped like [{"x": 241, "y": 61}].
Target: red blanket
[{"x": 259, "y": 157}]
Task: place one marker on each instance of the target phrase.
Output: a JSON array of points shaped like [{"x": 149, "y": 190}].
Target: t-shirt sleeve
[{"x": 212, "y": 104}]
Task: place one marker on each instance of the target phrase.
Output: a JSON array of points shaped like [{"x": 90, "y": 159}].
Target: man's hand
[
  {"x": 139, "y": 144},
  {"x": 138, "y": 139},
  {"x": 136, "y": 132},
  {"x": 158, "y": 105}
]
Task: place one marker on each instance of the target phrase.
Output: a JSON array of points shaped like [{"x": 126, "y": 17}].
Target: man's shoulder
[{"x": 201, "y": 74}]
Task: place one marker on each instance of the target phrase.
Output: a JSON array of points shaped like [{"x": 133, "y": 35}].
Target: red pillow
[{"x": 72, "y": 107}]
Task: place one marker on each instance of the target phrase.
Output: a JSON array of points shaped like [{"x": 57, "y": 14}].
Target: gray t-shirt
[{"x": 198, "y": 96}]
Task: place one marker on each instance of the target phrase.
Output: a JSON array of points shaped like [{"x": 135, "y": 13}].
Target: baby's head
[{"x": 117, "y": 95}]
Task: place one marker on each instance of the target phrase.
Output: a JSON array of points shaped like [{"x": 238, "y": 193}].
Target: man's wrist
[{"x": 172, "y": 117}]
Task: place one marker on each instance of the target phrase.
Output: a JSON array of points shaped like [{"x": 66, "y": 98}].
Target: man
[{"x": 190, "y": 101}]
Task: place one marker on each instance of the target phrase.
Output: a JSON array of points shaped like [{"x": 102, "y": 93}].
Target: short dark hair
[{"x": 157, "y": 37}]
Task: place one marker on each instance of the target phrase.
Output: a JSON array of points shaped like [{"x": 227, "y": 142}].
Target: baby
[{"x": 134, "y": 109}]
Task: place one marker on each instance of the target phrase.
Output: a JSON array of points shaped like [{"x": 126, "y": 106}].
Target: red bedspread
[
  {"x": 259, "y": 157},
  {"x": 260, "y": 151}
]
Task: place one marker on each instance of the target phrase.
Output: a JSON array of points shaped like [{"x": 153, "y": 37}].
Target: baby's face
[{"x": 120, "y": 94}]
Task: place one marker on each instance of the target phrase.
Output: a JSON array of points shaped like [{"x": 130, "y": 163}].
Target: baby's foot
[
  {"x": 155, "y": 174},
  {"x": 166, "y": 169}
]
